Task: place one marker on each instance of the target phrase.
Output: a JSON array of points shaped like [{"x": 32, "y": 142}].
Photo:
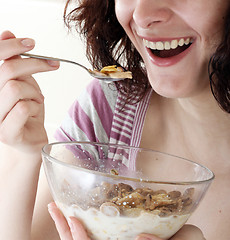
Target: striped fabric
[{"x": 100, "y": 116}]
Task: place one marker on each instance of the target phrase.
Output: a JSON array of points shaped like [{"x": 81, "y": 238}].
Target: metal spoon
[{"x": 95, "y": 74}]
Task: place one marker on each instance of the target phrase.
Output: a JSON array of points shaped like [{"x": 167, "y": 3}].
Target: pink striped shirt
[{"x": 97, "y": 116}]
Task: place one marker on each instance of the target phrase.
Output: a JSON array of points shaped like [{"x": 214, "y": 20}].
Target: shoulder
[
  {"x": 102, "y": 91},
  {"x": 90, "y": 116},
  {"x": 98, "y": 97}
]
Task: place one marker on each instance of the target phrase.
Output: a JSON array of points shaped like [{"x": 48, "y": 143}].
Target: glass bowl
[{"x": 119, "y": 192}]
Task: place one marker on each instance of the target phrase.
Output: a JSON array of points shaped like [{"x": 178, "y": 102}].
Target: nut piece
[
  {"x": 113, "y": 172},
  {"x": 174, "y": 194},
  {"x": 110, "y": 209}
]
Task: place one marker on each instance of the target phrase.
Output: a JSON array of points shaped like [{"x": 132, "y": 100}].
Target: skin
[
  {"x": 184, "y": 108},
  {"x": 183, "y": 100},
  {"x": 156, "y": 20},
  {"x": 23, "y": 134}
]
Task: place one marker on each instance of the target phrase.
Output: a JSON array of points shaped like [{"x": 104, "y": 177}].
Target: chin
[
  {"x": 175, "y": 83},
  {"x": 172, "y": 91},
  {"x": 168, "y": 94}
]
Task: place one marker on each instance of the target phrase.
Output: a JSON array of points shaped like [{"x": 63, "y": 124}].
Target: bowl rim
[{"x": 53, "y": 159}]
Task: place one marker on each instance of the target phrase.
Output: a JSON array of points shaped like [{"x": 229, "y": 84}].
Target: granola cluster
[
  {"x": 116, "y": 199},
  {"x": 113, "y": 72}
]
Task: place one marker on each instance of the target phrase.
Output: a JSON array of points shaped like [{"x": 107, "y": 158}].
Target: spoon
[{"x": 115, "y": 76}]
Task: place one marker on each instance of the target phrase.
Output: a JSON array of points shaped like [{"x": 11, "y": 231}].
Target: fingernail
[
  {"x": 28, "y": 42},
  {"x": 53, "y": 63},
  {"x": 71, "y": 225},
  {"x": 144, "y": 238},
  {"x": 50, "y": 211}
]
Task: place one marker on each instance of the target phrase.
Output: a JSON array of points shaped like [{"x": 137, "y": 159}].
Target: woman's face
[{"x": 176, "y": 39}]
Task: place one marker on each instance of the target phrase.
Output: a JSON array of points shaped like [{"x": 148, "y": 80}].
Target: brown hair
[
  {"x": 219, "y": 69},
  {"x": 107, "y": 43}
]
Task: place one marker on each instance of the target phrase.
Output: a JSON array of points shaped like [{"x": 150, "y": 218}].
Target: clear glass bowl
[{"x": 119, "y": 192}]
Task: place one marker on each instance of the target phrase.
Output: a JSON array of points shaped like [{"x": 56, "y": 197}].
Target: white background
[{"x": 42, "y": 20}]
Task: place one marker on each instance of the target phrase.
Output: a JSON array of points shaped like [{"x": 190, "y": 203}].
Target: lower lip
[{"x": 167, "y": 62}]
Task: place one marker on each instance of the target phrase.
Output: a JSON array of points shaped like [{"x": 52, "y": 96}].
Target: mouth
[{"x": 168, "y": 49}]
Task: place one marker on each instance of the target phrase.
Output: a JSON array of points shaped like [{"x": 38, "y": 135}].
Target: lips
[{"x": 165, "y": 53}]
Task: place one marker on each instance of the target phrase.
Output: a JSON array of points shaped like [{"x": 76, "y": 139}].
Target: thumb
[{"x": 189, "y": 232}]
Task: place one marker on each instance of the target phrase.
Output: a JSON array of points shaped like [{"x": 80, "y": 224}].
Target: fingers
[
  {"x": 12, "y": 128},
  {"x": 77, "y": 229},
  {"x": 11, "y": 46},
  {"x": 72, "y": 231},
  {"x": 189, "y": 232},
  {"x": 18, "y": 68},
  {"x": 21, "y": 101},
  {"x": 60, "y": 222},
  {"x": 6, "y": 35},
  {"x": 13, "y": 66},
  {"x": 15, "y": 91}
]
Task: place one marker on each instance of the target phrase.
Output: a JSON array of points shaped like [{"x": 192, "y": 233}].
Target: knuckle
[
  {"x": 4, "y": 135},
  {"x": 13, "y": 88},
  {"x": 3, "y": 138},
  {"x": 22, "y": 108},
  {"x": 8, "y": 67}
]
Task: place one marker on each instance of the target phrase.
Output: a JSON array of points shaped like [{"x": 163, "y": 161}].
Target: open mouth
[{"x": 167, "y": 49}]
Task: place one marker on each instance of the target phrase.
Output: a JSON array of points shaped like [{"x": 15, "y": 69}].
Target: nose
[{"x": 150, "y": 12}]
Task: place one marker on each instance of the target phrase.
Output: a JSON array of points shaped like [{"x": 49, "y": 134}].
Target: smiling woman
[{"x": 167, "y": 50}]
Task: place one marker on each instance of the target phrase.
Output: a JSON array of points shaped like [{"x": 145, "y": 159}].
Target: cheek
[
  {"x": 124, "y": 12},
  {"x": 209, "y": 24}
]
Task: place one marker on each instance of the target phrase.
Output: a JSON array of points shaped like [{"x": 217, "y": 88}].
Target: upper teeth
[{"x": 166, "y": 45}]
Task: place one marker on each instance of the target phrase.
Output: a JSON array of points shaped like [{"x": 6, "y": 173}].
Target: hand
[
  {"x": 187, "y": 232},
  {"x": 71, "y": 230},
  {"x": 21, "y": 101},
  {"x": 74, "y": 230}
]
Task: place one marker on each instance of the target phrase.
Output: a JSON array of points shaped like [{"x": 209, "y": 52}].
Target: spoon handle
[{"x": 53, "y": 59}]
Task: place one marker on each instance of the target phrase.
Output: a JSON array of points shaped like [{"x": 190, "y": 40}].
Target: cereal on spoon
[{"x": 113, "y": 71}]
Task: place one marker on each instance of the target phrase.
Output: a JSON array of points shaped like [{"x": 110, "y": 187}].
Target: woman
[{"x": 168, "y": 46}]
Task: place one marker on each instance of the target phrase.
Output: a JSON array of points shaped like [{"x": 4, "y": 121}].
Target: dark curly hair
[
  {"x": 107, "y": 43},
  {"x": 219, "y": 69}
]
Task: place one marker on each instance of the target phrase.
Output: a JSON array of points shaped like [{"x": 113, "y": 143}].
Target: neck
[
  {"x": 203, "y": 111},
  {"x": 194, "y": 128},
  {"x": 206, "y": 129}
]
